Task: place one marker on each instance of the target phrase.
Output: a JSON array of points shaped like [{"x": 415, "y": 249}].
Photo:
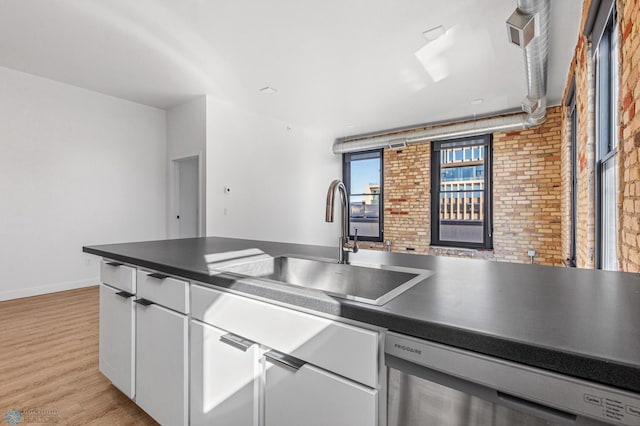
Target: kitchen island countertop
[{"x": 582, "y": 323}]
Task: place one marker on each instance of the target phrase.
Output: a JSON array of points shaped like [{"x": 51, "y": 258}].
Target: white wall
[
  {"x": 278, "y": 178},
  {"x": 186, "y": 137},
  {"x": 76, "y": 168}
]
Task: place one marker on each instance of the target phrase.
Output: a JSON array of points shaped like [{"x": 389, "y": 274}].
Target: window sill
[
  {"x": 462, "y": 249},
  {"x": 479, "y": 253}
]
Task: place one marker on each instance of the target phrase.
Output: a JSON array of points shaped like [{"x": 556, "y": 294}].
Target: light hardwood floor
[{"x": 49, "y": 362}]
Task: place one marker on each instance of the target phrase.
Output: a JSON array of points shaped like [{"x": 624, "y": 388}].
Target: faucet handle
[{"x": 355, "y": 241}]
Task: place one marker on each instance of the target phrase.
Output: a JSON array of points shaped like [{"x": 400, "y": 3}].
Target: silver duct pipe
[
  {"x": 467, "y": 128},
  {"x": 535, "y": 58}
]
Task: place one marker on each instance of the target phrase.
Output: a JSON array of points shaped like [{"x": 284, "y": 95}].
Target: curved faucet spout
[{"x": 344, "y": 246}]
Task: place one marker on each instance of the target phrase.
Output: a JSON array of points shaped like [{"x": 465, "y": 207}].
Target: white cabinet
[
  {"x": 161, "y": 363},
  {"x": 116, "y": 359},
  {"x": 349, "y": 351},
  {"x": 117, "y": 338},
  {"x": 237, "y": 361},
  {"x": 306, "y": 395},
  {"x": 298, "y": 369},
  {"x": 144, "y": 339},
  {"x": 224, "y": 378}
]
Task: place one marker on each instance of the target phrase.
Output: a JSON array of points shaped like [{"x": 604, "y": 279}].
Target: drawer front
[
  {"x": 346, "y": 350},
  {"x": 118, "y": 275},
  {"x": 163, "y": 290}
]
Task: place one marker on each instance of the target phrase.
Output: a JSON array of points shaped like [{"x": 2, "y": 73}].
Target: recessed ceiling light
[
  {"x": 434, "y": 33},
  {"x": 477, "y": 101},
  {"x": 268, "y": 90}
]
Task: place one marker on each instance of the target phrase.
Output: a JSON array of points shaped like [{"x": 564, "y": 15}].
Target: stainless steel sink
[{"x": 373, "y": 285}]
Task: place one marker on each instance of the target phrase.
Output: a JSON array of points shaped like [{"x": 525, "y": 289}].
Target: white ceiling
[{"x": 343, "y": 66}]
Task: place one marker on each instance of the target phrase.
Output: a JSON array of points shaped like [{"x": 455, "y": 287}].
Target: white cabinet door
[
  {"x": 116, "y": 358},
  {"x": 313, "y": 397},
  {"x": 224, "y": 378},
  {"x": 162, "y": 364}
]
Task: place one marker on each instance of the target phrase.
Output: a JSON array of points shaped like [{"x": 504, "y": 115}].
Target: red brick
[
  {"x": 628, "y": 98},
  {"x": 626, "y": 31}
]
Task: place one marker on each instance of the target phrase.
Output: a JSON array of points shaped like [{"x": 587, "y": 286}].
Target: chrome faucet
[{"x": 344, "y": 246}]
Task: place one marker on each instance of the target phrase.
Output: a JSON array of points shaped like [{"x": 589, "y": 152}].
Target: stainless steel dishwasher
[{"x": 430, "y": 384}]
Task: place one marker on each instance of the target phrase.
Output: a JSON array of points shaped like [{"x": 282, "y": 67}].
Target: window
[
  {"x": 461, "y": 192},
  {"x": 363, "y": 179},
  {"x": 573, "y": 122},
  {"x": 607, "y": 144}
]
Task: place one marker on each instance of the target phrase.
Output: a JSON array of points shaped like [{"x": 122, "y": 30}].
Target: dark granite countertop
[{"x": 578, "y": 322}]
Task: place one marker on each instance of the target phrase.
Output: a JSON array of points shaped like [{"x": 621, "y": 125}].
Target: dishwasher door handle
[{"x": 535, "y": 408}]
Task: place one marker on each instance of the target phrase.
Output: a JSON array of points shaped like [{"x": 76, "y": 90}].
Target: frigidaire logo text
[{"x": 408, "y": 348}]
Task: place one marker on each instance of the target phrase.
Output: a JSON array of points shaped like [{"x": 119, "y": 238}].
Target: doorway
[{"x": 187, "y": 197}]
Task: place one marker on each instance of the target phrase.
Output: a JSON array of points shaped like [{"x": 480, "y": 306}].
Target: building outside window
[
  {"x": 461, "y": 192},
  {"x": 607, "y": 144},
  {"x": 363, "y": 179}
]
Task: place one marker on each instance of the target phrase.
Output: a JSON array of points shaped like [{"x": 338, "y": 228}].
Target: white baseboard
[{"x": 45, "y": 289}]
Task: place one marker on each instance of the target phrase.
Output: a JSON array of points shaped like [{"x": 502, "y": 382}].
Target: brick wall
[
  {"x": 534, "y": 212},
  {"x": 406, "y": 217},
  {"x": 629, "y": 146},
  {"x": 407, "y": 198},
  {"x": 582, "y": 69},
  {"x": 526, "y": 193},
  {"x": 526, "y": 208}
]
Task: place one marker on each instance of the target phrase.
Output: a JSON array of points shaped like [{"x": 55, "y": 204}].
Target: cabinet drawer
[
  {"x": 118, "y": 275},
  {"x": 349, "y": 351},
  {"x": 163, "y": 290}
]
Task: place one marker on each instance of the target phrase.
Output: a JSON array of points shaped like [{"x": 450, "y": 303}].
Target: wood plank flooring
[{"x": 49, "y": 363}]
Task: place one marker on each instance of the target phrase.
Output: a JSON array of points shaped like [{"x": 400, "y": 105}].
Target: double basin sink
[{"x": 368, "y": 284}]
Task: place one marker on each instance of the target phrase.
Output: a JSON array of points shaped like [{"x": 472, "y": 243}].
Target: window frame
[
  {"x": 606, "y": 134},
  {"x": 573, "y": 122},
  {"x": 487, "y": 227},
  {"x": 346, "y": 179}
]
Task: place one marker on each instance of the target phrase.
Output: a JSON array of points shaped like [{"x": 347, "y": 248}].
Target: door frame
[{"x": 174, "y": 189}]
